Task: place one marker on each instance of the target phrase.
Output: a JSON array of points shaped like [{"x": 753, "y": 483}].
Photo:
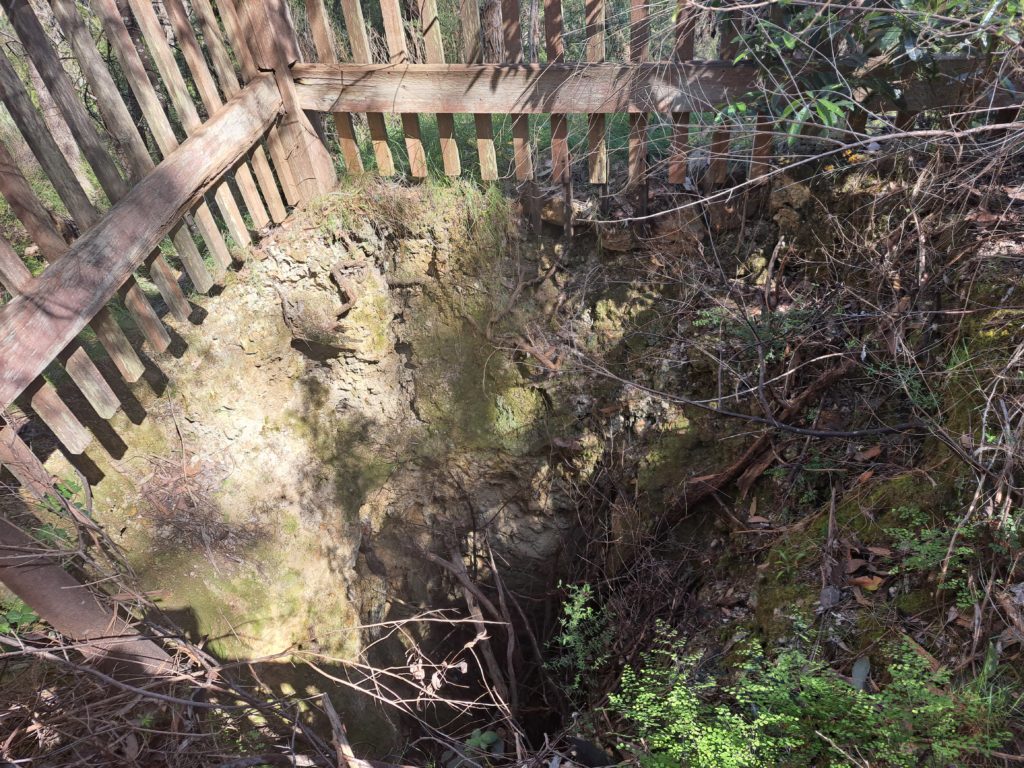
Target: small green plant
[
  {"x": 794, "y": 710},
  {"x": 16, "y": 616},
  {"x": 582, "y": 643},
  {"x": 926, "y": 546}
]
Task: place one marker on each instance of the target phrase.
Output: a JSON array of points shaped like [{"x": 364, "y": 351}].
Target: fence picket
[
  {"x": 230, "y": 86},
  {"x": 597, "y": 157},
  {"x": 156, "y": 40},
  {"x": 682, "y": 51},
  {"x": 326, "y": 51},
  {"x": 207, "y": 88},
  {"x": 473, "y": 53},
  {"x": 160, "y": 126},
  {"x": 398, "y": 52},
  {"x": 121, "y": 126},
  {"x": 434, "y": 50}
]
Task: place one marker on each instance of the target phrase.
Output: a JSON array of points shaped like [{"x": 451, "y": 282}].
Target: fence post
[{"x": 270, "y": 31}]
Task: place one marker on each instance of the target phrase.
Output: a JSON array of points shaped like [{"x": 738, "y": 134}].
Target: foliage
[
  {"x": 794, "y": 710},
  {"x": 855, "y": 51},
  {"x": 16, "y": 616},
  {"x": 581, "y": 645}
]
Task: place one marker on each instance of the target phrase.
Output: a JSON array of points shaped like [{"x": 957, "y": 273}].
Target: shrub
[{"x": 794, "y": 710}]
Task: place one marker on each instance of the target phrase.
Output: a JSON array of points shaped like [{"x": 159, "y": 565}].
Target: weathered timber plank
[
  {"x": 520, "y": 88},
  {"x": 36, "y": 325},
  {"x": 327, "y": 53},
  {"x": 398, "y": 52},
  {"x": 761, "y": 154},
  {"x": 682, "y": 51},
  {"x": 152, "y": 110},
  {"x": 52, "y": 160},
  {"x": 434, "y": 54},
  {"x": 225, "y": 70},
  {"x": 90, "y": 381},
  {"x": 101, "y": 635},
  {"x": 597, "y": 149},
  {"x": 473, "y": 52},
  {"x": 238, "y": 37},
  {"x": 122, "y": 127},
  {"x": 355, "y": 25},
  {"x": 26, "y": 468},
  {"x": 37, "y": 44},
  {"x": 311, "y": 166},
  {"x": 48, "y": 154},
  {"x": 15, "y": 277},
  {"x": 512, "y": 39},
  {"x": 718, "y": 150},
  {"x": 56, "y": 415},
  {"x": 208, "y": 92},
  {"x": 156, "y": 40},
  {"x": 560, "y": 164},
  {"x": 639, "y": 46},
  {"x": 38, "y": 223}
]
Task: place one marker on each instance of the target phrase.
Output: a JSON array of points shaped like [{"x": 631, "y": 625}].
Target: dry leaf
[
  {"x": 870, "y": 583},
  {"x": 868, "y": 453},
  {"x": 759, "y": 519},
  {"x": 863, "y": 477},
  {"x": 880, "y": 551}
]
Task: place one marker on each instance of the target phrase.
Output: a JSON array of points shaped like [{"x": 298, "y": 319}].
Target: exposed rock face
[{"x": 342, "y": 407}]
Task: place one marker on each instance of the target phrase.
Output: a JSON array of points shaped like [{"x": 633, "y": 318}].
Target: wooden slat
[
  {"x": 36, "y": 220},
  {"x": 56, "y": 415},
  {"x": 560, "y": 164},
  {"x": 434, "y": 53},
  {"x": 90, "y": 381},
  {"x": 31, "y": 332},
  {"x": 513, "y": 41},
  {"x": 15, "y": 277},
  {"x": 212, "y": 101},
  {"x": 23, "y": 464},
  {"x": 238, "y": 37},
  {"x": 46, "y": 151},
  {"x": 639, "y": 44},
  {"x": 682, "y": 51},
  {"x": 37, "y": 44},
  {"x": 473, "y": 53},
  {"x": 355, "y": 25},
  {"x": 163, "y": 57},
  {"x": 394, "y": 31},
  {"x": 310, "y": 163},
  {"x": 264, "y": 48},
  {"x": 53, "y": 162},
  {"x": 225, "y": 70},
  {"x": 597, "y": 149},
  {"x": 152, "y": 109},
  {"x": 327, "y": 53},
  {"x": 760, "y": 160},
  {"x": 525, "y": 88},
  {"x": 122, "y": 127},
  {"x": 45, "y": 401},
  {"x": 718, "y": 151},
  {"x": 102, "y": 635}
]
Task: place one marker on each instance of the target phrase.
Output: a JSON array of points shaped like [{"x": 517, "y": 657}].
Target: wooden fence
[{"x": 228, "y": 136}]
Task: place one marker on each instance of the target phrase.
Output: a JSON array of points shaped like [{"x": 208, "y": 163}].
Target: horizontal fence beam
[
  {"x": 37, "y": 325},
  {"x": 665, "y": 87},
  {"x": 520, "y": 88}
]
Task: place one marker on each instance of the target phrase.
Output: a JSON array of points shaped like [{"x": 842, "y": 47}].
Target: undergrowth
[{"x": 792, "y": 709}]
